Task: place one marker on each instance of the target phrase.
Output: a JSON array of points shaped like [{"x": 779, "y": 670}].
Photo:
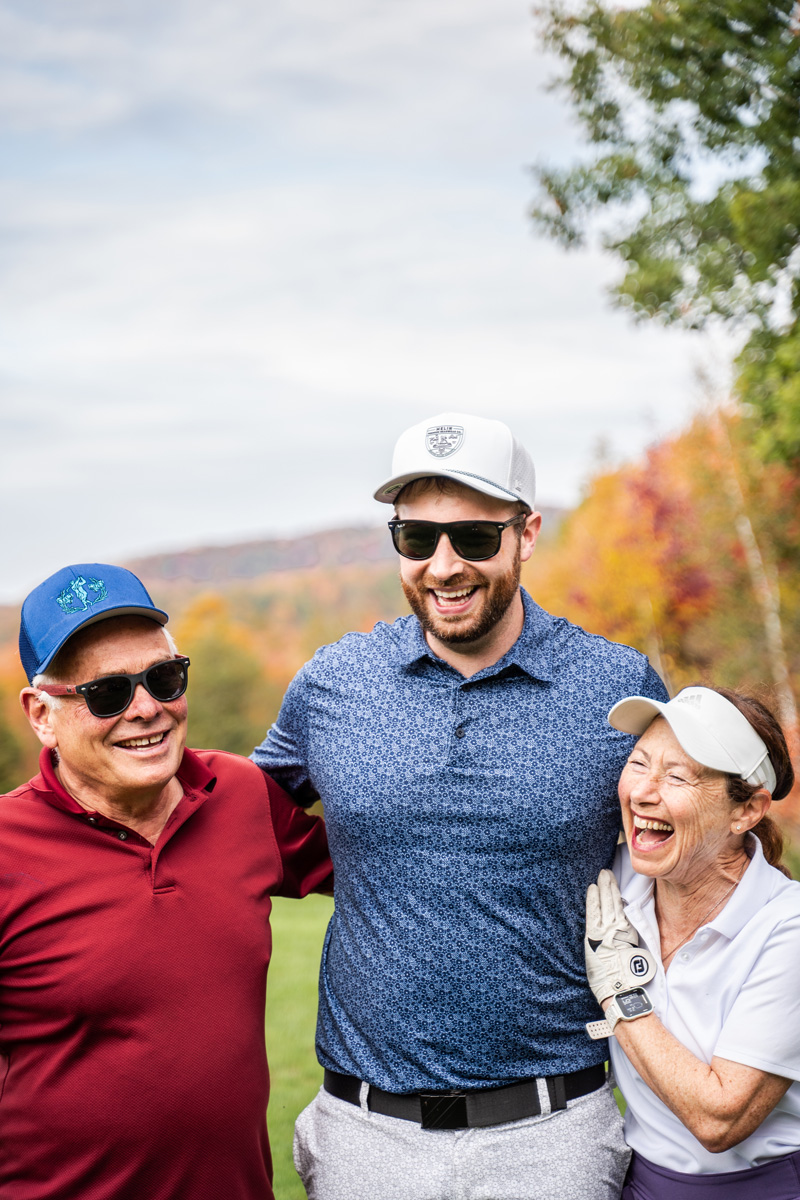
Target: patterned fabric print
[
  {"x": 344, "y": 1153},
  {"x": 466, "y": 818}
]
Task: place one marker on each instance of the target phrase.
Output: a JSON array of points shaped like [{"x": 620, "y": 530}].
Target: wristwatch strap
[{"x": 605, "y": 1029}]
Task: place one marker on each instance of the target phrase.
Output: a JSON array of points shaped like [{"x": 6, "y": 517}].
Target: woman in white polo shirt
[{"x": 707, "y": 1056}]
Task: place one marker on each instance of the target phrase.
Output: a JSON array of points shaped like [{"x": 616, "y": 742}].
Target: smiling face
[
  {"x": 137, "y": 752},
  {"x": 455, "y": 600},
  {"x": 677, "y": 815}
]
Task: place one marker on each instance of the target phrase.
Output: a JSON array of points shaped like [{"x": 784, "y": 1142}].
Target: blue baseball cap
[{"x": 74, "y": 597}]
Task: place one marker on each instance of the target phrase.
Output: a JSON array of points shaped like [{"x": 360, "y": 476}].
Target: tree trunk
[{"x": 763, "y": 578}]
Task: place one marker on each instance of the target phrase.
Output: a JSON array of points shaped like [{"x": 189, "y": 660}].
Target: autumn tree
[
  {"x": 11, "y": 757},
  {"x": 667, "y": 554},
  {"x": 691, "y": 111},
  {"x": 231, "y": 702}
]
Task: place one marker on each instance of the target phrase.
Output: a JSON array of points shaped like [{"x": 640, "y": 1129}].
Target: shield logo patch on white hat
[{"x": 443, "y": 440}]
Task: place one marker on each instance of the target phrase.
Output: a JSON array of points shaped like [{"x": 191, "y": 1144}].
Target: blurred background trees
[
  {"x": 691, "y": 114},
  {"x": 691, "y": 110}
]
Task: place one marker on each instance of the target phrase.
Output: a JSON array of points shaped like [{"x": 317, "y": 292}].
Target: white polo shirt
[{"x": 733, "y": 991}]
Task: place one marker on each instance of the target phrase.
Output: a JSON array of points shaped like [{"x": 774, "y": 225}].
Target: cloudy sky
[{"x": 244, "y": 243}]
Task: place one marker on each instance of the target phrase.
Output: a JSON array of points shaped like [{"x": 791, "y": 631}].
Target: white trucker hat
[
  {"x": 711, "y": 730},
  {"x": 476, "y": 451}
]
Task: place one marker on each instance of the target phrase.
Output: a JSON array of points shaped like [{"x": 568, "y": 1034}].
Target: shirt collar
[
  {"x": 532, "y": 652},
  {"x": 753, "y": 892},
  {"x": 193, "y": 775}
]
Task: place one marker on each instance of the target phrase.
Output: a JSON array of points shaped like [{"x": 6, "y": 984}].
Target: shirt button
[
  {"x": 685, "y": 957},
  {"x": 460, "y": 731},
  {"x": 122, "y": 835},
  {"x": 92, "y": 820}
]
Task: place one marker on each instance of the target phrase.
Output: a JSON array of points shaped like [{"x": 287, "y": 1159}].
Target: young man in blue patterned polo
[{"x": 469, "y": 780}]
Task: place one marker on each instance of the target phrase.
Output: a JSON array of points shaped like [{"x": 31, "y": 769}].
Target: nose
[
  {"x": 445, "y": 562},
  {"x": 143, "y": 706},
  {"x": 643, "y": 786}
]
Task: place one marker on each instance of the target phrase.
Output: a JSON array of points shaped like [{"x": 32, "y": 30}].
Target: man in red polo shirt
[{"x": 134, "y": 919}]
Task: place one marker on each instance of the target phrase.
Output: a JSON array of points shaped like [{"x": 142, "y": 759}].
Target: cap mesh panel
[{"x": 27, "y": 653}]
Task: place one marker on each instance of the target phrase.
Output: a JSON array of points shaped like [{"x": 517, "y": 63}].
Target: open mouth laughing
[
  {"x": 453, "y": 599},
  {"x": 647, "y": 835}
]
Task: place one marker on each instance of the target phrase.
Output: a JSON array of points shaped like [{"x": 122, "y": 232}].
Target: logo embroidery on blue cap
[
  {"x": 75, "y": 598},
  {"x": 443, "y": 440}
]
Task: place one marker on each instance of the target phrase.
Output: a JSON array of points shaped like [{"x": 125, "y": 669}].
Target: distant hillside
[
  {"x": 185, "y": 571},
  {"x": 219, "y": 566},
  {"x": 231, "y": 565}
]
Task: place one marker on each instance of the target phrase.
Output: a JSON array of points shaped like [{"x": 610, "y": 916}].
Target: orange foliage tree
[{"x": 692, "y": 556}]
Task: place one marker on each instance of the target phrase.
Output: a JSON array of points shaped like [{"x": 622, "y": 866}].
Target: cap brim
[
  {"x": 387, "y": 492},
  {"x": 124, "y": 610},
  {"x": 634, "y": 714}
]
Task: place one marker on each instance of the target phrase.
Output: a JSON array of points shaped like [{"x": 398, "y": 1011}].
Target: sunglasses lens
[
  {"x": 475, "y": 542},
  {"x": 167, "y": 681},
  {"x": 413, "y": 539},
  {"x": 110, "y": 696},
  {"x": 472, "y": 541}
]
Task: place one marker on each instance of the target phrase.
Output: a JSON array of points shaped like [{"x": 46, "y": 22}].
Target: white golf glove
[{"x": 614, "y": 961}]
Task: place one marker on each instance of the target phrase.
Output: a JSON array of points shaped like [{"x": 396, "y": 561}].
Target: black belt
[{"x": 469, "y": 1109}]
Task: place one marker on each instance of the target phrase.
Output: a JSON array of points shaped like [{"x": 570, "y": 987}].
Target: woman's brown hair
[{"x": 739, "y": 790}]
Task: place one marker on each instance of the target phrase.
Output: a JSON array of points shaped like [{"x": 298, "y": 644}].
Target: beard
[{"x": 498, "y": 594}]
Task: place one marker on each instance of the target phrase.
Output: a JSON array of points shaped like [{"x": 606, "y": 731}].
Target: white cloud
[{"x": 244, "y": 245}]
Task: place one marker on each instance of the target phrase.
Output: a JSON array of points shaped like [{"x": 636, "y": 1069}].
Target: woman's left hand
[{"x": 614, "y": 961}]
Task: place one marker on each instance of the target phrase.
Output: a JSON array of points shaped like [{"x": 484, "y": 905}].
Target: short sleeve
[
  {"x": 653, "y": 686},
  {"x": 762, "y": 1029},
  {"x": 283, "y": 753},
  {"x": 302, "y": 844}
]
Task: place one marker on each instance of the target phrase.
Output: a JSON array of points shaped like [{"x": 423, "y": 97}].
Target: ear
[
  {"x": 530, "y": 533},
  {"x": 40, "y": 716},
  {"x": 748, "y": 814}
]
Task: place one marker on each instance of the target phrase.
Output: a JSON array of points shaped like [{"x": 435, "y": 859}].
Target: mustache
[{"x": 459, "y": 579}]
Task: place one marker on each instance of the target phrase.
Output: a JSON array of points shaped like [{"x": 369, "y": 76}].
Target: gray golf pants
[{"x": 343, "y": 1152}]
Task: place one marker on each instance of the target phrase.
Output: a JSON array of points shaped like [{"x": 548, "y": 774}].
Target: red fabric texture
[{"x": 132, "y": 987}]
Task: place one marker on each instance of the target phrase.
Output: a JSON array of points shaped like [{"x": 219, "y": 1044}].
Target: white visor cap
[
  {"x": 476, "y": 451},
  {"x": 709, "y": 728}
]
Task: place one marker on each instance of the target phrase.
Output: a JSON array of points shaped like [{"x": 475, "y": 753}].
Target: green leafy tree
[{"x": 693, "y": 109}]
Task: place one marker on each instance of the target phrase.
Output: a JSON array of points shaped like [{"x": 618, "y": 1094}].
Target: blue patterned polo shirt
[{"x": 466, "y": 818}]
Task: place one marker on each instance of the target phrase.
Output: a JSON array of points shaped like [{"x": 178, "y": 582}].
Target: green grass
[{"x": 298, "y": 928}]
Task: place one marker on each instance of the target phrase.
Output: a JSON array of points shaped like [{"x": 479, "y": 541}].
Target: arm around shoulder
[
  {"x": 303, "y": 846},
  {"x": 283, "y": 754}
]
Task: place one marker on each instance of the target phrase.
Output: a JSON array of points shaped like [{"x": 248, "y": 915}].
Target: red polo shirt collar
[{"x": 193, "y": 775}]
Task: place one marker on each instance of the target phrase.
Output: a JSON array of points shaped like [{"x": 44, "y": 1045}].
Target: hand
[{"x": 614, "y": 961}]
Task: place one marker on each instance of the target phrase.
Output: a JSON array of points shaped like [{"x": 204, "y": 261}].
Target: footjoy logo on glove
[
  {"x": 443, "y": 440},
  {"x": 639, "y": 966}
]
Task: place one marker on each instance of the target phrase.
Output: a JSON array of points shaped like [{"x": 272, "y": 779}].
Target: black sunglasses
[
  {"x": 473, "y": 541},
  {"x": 111, "y": 694}
]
